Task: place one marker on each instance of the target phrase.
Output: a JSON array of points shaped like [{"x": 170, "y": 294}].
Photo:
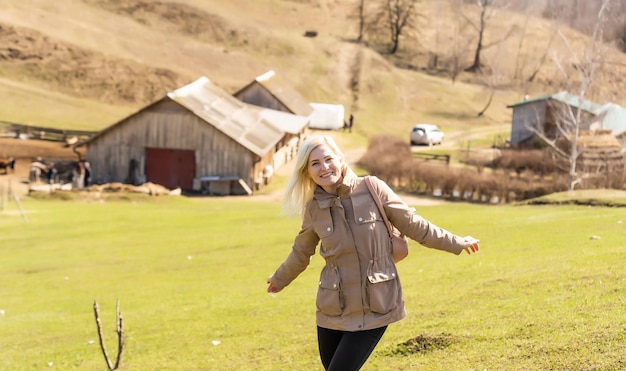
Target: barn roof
[
  {"x": 286, "y": 122},
  {"x": 564, "y": 97},
  {"x": 257, "y": 129},
  {"x": 280, "y": 90}
]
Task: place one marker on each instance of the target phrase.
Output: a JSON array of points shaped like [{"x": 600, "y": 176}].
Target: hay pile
[
  {"x": 120, "y": 188},
  {"x": 598, "y": 139}
]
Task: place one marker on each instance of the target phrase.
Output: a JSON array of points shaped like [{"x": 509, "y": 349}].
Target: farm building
[
  {"x": 200, "y": 138},
  {"x": 544, "y": 112},
  {"x": 327, "y": 116},
  {"x": 269, "y": 91}
]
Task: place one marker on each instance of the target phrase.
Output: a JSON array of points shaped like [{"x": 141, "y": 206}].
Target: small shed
[
  {"x": 543, "y": 113},
  {"x": 197, "y": 137},
  {"x": 327, "y": 116},
  {"x": 269, "y": 91}
]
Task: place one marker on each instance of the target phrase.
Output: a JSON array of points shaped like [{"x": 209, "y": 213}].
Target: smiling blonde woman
[{"x": 359, "y": 292}]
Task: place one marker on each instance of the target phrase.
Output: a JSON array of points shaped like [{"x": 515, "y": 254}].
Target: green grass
[{"x": 543, "y": 293}]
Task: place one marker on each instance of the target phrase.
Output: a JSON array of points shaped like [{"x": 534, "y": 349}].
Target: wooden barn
[
  {"x": 199, "y": 138},
  {"x": 269, "y": 91}
]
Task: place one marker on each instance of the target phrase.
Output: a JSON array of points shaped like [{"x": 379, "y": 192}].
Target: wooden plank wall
[{"x": 257, "y": 95}]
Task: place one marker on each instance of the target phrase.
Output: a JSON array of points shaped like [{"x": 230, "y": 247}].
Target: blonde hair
[{"x": 300, "y": 187}]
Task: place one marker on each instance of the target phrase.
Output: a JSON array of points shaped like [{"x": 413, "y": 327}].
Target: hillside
[{"x": 86, "y": 64}]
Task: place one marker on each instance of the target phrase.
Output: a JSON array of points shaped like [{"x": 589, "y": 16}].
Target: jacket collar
[{"x": 344, "y": 189}]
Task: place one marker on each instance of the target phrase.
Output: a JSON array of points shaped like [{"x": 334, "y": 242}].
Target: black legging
[{"x": 346, "y": 351}]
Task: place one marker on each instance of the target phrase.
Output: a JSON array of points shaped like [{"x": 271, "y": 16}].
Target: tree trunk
[
  {"x": 476, "y": 65},
  {"x": 361, "y": 20}
]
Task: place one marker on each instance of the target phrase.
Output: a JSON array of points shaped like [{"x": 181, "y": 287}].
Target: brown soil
[{"x": 78, "y": 72}]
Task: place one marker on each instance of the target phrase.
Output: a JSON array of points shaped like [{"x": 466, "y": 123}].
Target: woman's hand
[
  {"x": 272, "y": 289},
  {"x": 473, "y": 246}
]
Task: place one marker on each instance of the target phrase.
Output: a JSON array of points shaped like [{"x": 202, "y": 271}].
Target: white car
[{"x": 426, "y": 134}]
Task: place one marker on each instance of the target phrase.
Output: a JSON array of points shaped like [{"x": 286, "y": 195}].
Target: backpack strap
[{"x": 378, "y": 204}]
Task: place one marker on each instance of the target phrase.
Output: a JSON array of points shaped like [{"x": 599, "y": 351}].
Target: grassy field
[{"x": 547, "y": 290}]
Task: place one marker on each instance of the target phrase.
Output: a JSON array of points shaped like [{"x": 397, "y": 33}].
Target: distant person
[
  {"x": 87, "y": 174},
  {"x": 37, "y": 168},
  {"x": 77, "y": 175},
  {"x": 11, "y": 164},
  {"x": 359, "y": 291},
  {"x": 350, "y": 123},
  {"x": 51, "y": 173}
]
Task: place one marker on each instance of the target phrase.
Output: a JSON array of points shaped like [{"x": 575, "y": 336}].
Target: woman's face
[{"x": 325, "y": 168}]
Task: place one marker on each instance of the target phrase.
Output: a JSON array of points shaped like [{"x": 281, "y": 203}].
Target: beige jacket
[{"x": 359, "y": 288}]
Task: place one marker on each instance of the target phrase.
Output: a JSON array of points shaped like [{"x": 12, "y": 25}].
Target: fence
[
  {"x": 15, "y": 130},
  {"x": 433, "y": 157}
]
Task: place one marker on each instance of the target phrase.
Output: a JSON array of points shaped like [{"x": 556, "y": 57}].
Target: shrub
[{"x": 534, "y": 174}]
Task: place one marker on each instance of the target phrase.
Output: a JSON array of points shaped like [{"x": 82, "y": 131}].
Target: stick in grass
[{"x": 120, "y": 336}]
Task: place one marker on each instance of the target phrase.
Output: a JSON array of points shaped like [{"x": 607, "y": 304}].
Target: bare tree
[
  {"x": 484, "y": 5},
  {"x": 543, "y": 58},
  {"x": 568, "y": 120},
  {"x": 491, "y": 76},
  {"x": 487, "y": 10},
  {"x": 518, "y": 64},
  {"x": 491, "y": 83},
  {"x": 361, "y": 20},
  {"x": 399, "y": 15},
  {"x": 435, "y": 58},
  {"x": 460, "y": 44}
]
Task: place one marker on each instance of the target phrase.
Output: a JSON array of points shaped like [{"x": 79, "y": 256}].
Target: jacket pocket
[
  {"x": 383, "y": 287},
  {"x": 329, "y": 300},
  {"x": 324, "y": 227}
]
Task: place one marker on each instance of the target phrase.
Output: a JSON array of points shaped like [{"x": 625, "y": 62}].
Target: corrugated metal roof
[
  {"x": 576, "y": 101},
  {"x": 280, "y": 90},
  {"x": 257, "y": 129},
  {"x": 286, "y": 122},
  {"x": 528, "y": 101},
  {"x": 564, "y": 97}
]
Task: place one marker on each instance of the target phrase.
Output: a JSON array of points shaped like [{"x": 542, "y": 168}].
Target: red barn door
[{"x": 171, "y": 168}]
